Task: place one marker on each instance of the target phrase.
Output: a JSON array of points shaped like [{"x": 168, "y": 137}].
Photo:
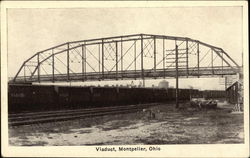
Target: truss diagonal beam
[{"x": 108, "y": 48}]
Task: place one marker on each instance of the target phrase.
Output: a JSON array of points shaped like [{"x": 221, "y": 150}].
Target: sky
[{"x": 32, "y": 30}]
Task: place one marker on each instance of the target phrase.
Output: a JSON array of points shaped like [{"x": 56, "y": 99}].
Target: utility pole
[
  {"x": 225, "y": 83},
  {"x": 142, "y": 70},
  {"x": 177, "y": 79},
  {"x": 68, "y": 62}
]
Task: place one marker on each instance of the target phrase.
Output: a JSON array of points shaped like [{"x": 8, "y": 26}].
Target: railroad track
[{"x": 63, "y": 115}]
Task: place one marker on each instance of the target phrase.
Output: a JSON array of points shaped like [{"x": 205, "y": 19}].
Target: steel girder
[{"x": 130, "y": 56}]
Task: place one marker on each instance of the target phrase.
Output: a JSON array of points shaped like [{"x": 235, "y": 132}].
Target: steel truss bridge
[{"x": 137, "y": 56}]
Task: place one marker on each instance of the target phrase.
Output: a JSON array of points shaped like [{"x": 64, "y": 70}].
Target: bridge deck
[{"x": 130, "y": 74}]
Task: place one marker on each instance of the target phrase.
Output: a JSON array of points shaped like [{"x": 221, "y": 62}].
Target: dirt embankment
[{"x": 162, "y": 124}]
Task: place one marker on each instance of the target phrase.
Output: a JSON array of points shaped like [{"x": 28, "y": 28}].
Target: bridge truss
[{"x": 136, "y": 56}]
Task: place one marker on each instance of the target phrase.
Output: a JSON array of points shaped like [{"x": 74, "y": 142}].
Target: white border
[{"x": 216, "y": 150}]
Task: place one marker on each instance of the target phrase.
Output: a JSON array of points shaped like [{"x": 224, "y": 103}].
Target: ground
[{"x": 167, "y": 126}]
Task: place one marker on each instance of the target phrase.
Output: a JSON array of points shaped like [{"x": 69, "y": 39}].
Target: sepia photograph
[{"x": 125, "y": 78}]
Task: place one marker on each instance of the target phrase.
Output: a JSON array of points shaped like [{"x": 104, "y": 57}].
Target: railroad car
[
  {"x": 42, "y": 98},
  {"x": 73, "y": 97},
  {"x": 25, "y": 97},
  {"x": 214, "y": 94}
]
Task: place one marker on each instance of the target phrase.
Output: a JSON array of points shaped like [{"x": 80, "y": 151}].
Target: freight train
[{"x": 43, "y": 98}]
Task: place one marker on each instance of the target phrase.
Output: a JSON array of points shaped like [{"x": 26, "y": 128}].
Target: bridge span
[{"x": 137, "y": 56}]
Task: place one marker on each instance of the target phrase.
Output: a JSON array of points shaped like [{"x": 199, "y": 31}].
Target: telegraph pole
[
  {"x": 142, "y": 70},
  {"x": 177, "y": 79},
  {"x": 225, "y": 83}
]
